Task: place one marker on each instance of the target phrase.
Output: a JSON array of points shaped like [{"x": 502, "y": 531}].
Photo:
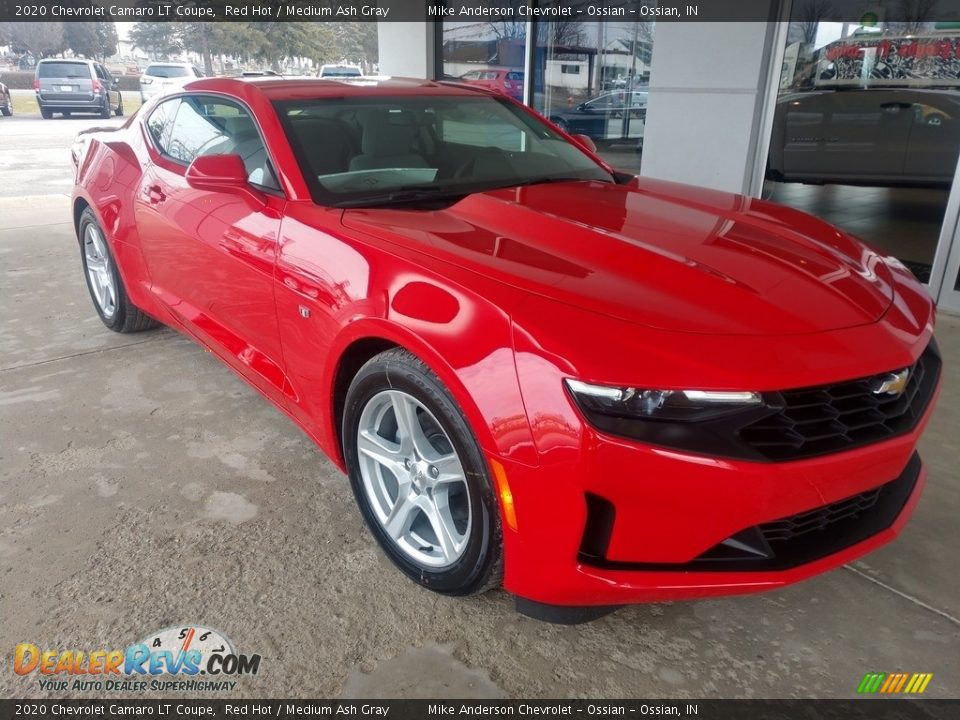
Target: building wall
[
  {"x": 708, "y": 86},
  {"x": 406, "y": 49}
]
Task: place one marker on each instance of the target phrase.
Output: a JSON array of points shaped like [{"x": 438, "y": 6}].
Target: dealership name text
[{"x": 349, "y": 10}]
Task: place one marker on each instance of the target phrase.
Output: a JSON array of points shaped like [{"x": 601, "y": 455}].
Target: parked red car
[
  {"x": 508, "y": 81},
  {"x": 594, "y": 388}
]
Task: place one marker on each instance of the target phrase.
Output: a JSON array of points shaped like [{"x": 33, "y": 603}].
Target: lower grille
[
  {"x": 778, "y": 545},
  {"x": 820, "y": 519}
]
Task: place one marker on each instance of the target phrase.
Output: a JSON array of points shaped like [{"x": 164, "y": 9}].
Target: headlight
[{"x": 660, "y": 405}]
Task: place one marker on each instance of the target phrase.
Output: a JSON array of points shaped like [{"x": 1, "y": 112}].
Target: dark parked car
[
  {"x": 603, "y": 118},
  {"x": 889, "y": 136},
  {"x": 68, "y": 86},
  {"x": 6, "y": 104}
]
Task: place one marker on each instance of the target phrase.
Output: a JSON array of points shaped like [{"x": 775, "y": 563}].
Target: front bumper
[{"x": 673, "y": 511}]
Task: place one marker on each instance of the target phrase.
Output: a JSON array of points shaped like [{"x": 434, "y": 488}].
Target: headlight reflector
[{"x": 663, "y": 405}]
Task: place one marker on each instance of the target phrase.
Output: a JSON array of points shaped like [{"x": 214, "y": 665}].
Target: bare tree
[
  {"x": 912, "y": 15},
  {"x": 37, "y": 38},
  {"x": 808, "y": 17},
  {"x": 509, "y": 30}
]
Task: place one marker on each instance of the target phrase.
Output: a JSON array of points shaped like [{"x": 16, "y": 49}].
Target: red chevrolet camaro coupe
[{"x": 591, "y": 388}]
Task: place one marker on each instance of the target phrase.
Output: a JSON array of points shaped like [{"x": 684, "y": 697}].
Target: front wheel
[
  {"x": 120, "y": 107},
  {"x": 104, "y": 282},
  {"x": 420, "y": 478}
]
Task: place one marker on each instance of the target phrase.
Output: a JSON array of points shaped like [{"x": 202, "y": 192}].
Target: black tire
[
  {"x": 67, "y": 113},
  {"x": 127, "y": 318},
  {"x": 46, "y": 114},
  {"x": 7, "y": 109},
  {"x": 120, "y": 107},
  {"x": 480, "y": 567},
  {"x": 105, "y": 111}
]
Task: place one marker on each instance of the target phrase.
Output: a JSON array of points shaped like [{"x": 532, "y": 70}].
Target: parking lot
[{"x": 144, "y": 486}]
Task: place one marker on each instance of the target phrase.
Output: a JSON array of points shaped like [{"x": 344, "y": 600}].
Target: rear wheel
[
  {"x": 104, "y": 283},
  {"x": 45, "y": 113},
  {"x": 105, "y": 111},
  {"x": 420, "y": 478},
  {"x": 120, "y": 107},
  {"x": 7, "y": 109}
]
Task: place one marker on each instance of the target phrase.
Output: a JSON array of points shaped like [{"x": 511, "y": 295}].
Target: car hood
[{"x": 660, "y": 254}]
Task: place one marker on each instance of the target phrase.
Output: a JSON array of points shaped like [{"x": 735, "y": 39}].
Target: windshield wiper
[
  {"x": 401, "y": 196},
  {"x": 539, "y": 181}
]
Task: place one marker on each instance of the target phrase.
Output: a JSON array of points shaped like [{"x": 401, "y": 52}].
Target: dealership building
[{"x": 853, "y": 117}]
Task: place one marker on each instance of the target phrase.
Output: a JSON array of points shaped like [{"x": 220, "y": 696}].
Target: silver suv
[{"x": 68, "y": 86}]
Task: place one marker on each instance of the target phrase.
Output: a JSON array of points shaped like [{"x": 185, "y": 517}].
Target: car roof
[
  {"x": 287, "y": 88},
  {"x": 165, "y": 63},
  {"x": 79, "y": 61}
]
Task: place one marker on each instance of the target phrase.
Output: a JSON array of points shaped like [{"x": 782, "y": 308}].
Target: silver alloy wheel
[
  {"x": 99, "y": 271},
  {"x": 413, "y": 479}
]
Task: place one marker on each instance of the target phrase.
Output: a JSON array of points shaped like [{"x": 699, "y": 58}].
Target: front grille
[{"x": 831, "y": 418}]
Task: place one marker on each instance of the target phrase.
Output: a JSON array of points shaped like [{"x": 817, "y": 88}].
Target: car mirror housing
[
  {"x": 586, "y": 141},
  {"x": 221, "y": 173}
]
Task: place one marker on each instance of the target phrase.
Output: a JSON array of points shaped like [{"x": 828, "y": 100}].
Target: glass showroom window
[
  {"x": 866, "y": 128},
  {"x": 487, "y": 54},
  {"x": 591, "y": 78}
]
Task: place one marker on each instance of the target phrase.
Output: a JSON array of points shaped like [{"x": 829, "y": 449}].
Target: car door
[
  {"x": 850, "y": 135},
  {"x": 934, "y": 137},
  {"x": 113, "y": 95},
  {"x": 211, "y": 255}
]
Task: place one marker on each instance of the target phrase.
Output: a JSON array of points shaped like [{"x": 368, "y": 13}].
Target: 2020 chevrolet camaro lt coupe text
[{"x": 591, "y": 388}]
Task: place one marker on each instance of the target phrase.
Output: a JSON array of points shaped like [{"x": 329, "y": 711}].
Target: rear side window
[
  {"x": 166, "y": 71},
  {"x": 63, "y": 70},
  {"x": 160, "y": 123},
  {"x": 515, "y": 76}
]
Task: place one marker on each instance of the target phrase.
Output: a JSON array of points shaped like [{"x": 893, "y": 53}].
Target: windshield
[
  {"x": 63, "y": 70},
  {"x": 340, "y": 72},
  {"x": 166, "y": 71},
  {"x": 382, "y": 150}
]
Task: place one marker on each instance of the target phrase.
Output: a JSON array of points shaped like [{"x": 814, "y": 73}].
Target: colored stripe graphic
[{"x": 894, "y": 683}]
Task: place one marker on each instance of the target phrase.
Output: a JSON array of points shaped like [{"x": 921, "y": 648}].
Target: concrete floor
[
  {"x": 904, "y": 222},
  {"x": 143, "y": 485}
]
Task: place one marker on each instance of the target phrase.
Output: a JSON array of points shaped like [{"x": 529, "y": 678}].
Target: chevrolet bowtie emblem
[{"x": 892, "y": 383}]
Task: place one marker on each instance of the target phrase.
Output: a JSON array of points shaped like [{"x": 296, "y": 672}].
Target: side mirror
[
  {"x": 116, "y": 83},
  {"x": 586, "y": 141},
  {"x": 583, "y": 107},
  {"x": 221, "y": 173}
]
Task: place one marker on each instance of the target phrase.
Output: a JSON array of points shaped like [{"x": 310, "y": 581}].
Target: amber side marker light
[{"x": 503, "y": 490}]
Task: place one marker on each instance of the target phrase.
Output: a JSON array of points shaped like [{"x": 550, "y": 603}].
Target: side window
[
  {"x": 208, "y": 125},
  {"x": 160, "y": 124},
  {"x": 101, "y": 73}
]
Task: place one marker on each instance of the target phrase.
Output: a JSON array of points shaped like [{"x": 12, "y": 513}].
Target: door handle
[{"x": 155, "y": 194}]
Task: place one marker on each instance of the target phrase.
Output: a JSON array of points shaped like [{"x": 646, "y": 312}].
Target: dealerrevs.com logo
[{"x": 188, "y": 658}]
